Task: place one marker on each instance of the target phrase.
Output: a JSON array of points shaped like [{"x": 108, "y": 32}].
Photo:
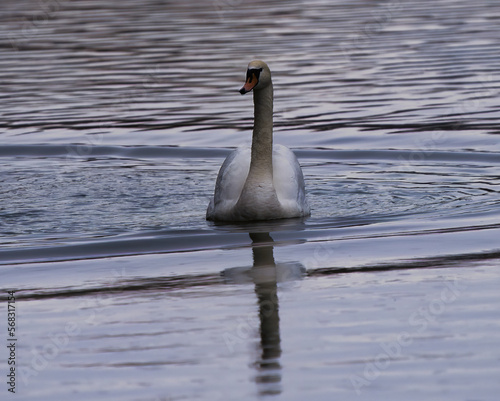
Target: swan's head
[{"x": 258, "y": 76}]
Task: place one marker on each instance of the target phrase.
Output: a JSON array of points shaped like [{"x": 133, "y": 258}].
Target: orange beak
[{"x": 250, "y": 83}]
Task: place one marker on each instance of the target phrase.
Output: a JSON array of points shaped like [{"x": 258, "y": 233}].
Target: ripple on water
[{"x": 125, "y": 190}]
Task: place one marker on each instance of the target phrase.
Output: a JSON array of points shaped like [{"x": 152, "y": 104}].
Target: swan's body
[
  {"x": 280, "y": 195},
  {"x": 261, "y": 182}
]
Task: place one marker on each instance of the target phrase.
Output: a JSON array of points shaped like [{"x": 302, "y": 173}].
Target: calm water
[{"x": 115, "y": 118}]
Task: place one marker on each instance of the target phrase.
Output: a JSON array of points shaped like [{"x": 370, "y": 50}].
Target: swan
[{"x": 261, "y": 182}]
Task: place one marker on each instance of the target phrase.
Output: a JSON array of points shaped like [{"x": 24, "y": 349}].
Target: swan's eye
[
  {"x": 252, "y": 80},
  {"x": 253, "y": 72}
]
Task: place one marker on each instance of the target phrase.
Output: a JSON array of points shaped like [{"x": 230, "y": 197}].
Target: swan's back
[
  {"x": 230, "y": 181},
  {"x": 288, "y": 182}
]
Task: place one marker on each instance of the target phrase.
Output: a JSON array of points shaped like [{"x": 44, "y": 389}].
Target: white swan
[{"x": 263, "y": 182}]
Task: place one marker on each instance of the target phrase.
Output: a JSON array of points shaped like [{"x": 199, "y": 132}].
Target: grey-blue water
[{"x": 115, "y": 117}]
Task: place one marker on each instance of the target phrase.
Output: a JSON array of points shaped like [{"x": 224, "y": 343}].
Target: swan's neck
[
  {"x": 262, "y": 140},
  {"x": 258, "y": 197}
]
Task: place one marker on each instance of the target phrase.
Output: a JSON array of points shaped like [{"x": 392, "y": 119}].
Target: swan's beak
[{"x": 252, "y": 80}]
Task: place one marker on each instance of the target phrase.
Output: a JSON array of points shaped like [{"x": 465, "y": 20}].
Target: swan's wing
[
  {"x": 230, "y": 180},
  {"x": 288, "y": 180}
]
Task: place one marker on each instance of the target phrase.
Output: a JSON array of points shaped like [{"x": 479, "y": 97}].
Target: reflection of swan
[
  {"x": 263, "y": 182},
  {"x": 265, "y": 274},
  {"x": 268, "y": 365}
]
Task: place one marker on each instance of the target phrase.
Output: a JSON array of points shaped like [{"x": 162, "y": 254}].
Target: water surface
[{"x": 115, "y": 119}]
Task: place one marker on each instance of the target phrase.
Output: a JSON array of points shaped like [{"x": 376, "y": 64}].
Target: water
[{"x": 115, "y": 119}]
